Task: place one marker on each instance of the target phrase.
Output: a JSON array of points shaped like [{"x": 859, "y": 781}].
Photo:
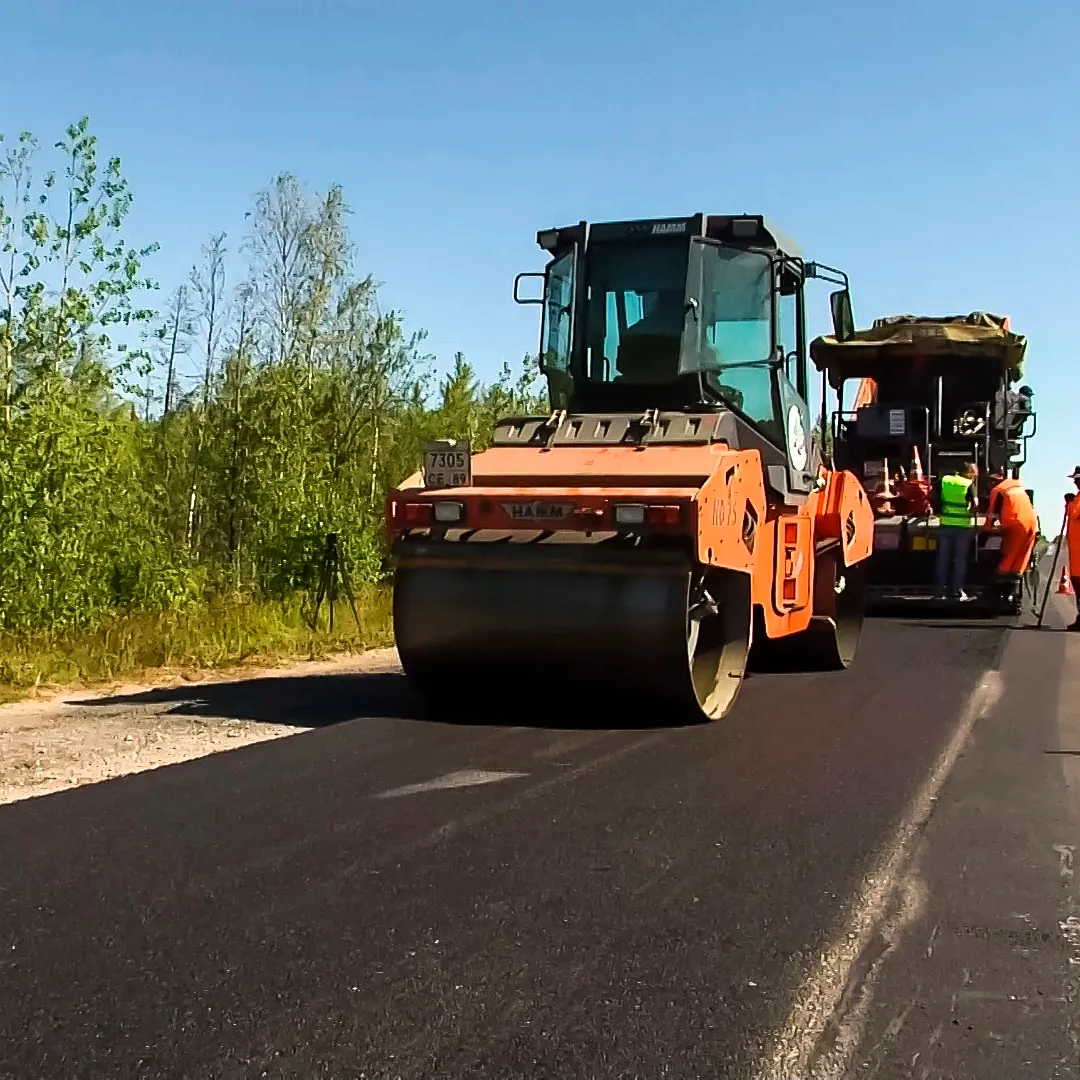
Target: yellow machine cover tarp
[{"x": 978, "y": 335}]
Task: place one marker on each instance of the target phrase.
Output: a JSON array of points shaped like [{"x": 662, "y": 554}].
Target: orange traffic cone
[
  {"x": 1065, "y": 585},
  {"x": 888, "y": 493}
]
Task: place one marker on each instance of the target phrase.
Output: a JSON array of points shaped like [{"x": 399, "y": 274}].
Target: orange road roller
[{"x": 674, "y": 521}]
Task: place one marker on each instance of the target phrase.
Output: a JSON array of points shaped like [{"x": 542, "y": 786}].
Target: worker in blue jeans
[{"x": 956, "y": 534}]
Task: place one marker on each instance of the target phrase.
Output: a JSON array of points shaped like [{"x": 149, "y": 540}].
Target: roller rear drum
[{"x": 628, "y": 636}]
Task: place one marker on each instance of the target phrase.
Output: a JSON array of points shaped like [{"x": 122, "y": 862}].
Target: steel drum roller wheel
[
  {"x": 840, "y": 597},
  {"x": 832, "y": 638},
  {"x": 521, "y": 633}
]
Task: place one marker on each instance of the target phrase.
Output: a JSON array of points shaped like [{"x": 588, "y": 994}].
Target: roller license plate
[
  {"x": 993, "y": 543},
  {"x": 447, "y": 464}
]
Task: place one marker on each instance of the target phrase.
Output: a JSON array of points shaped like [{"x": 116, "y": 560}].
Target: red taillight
[
  {"x": 663, "y": 515},
  {"x": 417, "y": 515}
]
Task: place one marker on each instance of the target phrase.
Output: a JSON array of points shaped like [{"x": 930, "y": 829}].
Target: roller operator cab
[
  {"x": 671, "y": 519},
  {"x": 930, "y": 394}
]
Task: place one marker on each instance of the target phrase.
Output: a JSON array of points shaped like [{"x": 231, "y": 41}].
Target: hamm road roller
[{"x": 671, "y": 522}]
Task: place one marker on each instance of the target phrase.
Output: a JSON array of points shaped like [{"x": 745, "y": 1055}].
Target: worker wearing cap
[
  {"x": 957, "y": 531},
  {"x": 1072, "y": 541},
  {"x": 1011, "y": 506}
]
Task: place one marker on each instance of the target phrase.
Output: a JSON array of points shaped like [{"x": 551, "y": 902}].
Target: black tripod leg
[
  {"x": 349, "y": 591},
  {"x": 331, "y": 585},
  {"x": 1061, "y": 542},
  {"x": 321, "y": 594}
]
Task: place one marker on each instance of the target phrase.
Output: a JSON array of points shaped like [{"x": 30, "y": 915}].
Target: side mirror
[
  {"x": 842, "y": 318},
  {"x": 518, "y": 298}
]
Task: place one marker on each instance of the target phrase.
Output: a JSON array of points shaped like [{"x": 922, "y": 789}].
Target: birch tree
[
  {"x": 208, "y": 283},
  {"x": 280, "y": 260},
  {"x": 175, "y": 336}
]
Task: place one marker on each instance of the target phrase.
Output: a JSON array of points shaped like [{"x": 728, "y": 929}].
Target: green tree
[
  {"x": 75, "y": 539},
  {"x": 290, "y": 403}
]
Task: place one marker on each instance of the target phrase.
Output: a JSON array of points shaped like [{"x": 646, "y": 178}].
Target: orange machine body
[
  {"x": 865, "y": 394},
  {"x": 712, "y": 498}
]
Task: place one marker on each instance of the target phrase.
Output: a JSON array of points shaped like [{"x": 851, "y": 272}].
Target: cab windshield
[
  {"x": 645, "y": 344},
  {"x": 636, "y": 311},
  {"x": 638, "y": 314},
  {"x": 736, "y": 311},
  {"x": 732, "y": 345}
]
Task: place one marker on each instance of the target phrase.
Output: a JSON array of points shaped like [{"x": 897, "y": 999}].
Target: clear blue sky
[{"x": 929, "y": 148}]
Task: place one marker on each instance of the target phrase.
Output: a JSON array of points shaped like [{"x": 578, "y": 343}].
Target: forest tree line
[{"x": 153, "y": 455}]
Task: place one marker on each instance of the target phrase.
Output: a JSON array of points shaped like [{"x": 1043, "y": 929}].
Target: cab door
[
  {"x": 793, "y": 412},
  {"x": 798, "y": 449},
  {"x": 557, "y": 330}
]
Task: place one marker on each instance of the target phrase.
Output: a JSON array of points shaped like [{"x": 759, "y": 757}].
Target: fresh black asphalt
[{"x": 623, "y": 902}]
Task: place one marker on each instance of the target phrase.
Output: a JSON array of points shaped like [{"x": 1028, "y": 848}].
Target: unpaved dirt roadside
[{"x": 61, "y": 743}]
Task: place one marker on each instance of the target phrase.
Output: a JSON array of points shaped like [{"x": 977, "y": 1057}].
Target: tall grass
[{"x": 222, "y": 633}]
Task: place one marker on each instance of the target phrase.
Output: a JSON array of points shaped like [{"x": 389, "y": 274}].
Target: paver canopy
[{"x": 979, "y": 336}]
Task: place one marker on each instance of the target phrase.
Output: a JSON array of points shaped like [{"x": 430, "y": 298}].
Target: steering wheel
[{"x": 969, "y": 423}]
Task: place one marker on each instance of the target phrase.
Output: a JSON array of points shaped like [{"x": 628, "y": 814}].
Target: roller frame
[{"x": 600, "y": 615}]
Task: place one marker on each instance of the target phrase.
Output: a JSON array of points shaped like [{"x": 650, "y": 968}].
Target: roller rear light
[
  {"x": 420, "y": 515},
  {"x": 448, "y": 512},
  {"x": 630, "y": 514},
  {"x": 647, "y": 514},
  {"x": 416, "y": 515},
  {"x": 663, "y": 515}
]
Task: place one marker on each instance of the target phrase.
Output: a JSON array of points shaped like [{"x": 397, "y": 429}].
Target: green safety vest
[{"x": 954, "y": 502}]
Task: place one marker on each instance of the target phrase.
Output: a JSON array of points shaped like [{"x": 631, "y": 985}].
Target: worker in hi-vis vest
[
  {"x": 956, "y": 534},
  {"x": 1072, "y": 541},
  {"x": 1011, "y": 507}
]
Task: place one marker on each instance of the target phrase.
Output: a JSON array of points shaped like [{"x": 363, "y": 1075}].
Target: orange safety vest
[
  {"x": 1010, "y": 503},
  {"x": 1072, "y": 535}
]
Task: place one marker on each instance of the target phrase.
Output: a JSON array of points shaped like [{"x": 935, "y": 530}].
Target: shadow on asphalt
[
  {"x": 958, "y": 624},
  {"x": 325, "y": 700},
  {"x": 319, "y": 701},
  {"x": 930, "y": 614},
  {"x": 303, "y": 700}
]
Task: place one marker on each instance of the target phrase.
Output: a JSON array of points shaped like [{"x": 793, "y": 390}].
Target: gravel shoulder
[{"x": 58, "y": 743}]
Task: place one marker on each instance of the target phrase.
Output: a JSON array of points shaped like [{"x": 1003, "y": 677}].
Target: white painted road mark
[
  {"x": 1070, "y": 931},
  {"x": 1065, "y": 854},
  {"x": 796, "y": 1051},
  {"x": 458, "y": 779}
]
